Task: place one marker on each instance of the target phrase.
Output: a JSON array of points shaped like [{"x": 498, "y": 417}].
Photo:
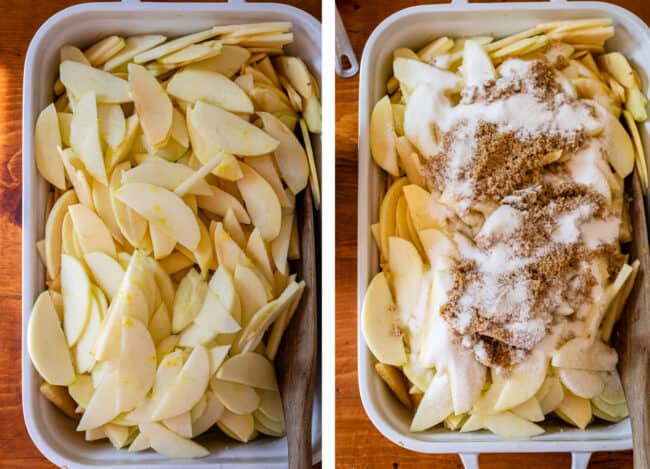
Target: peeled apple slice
[
  {"x": 46, "y": 138},
  {"x": 213, "y": 411},
  {"x": 165, "y": 174},
  {"x": 47, "y": 345},
  {"x": 91, "y": 232},
  {"x": 251, "y": 369},
  {"x": 379, "y": 323},
  {"x": 53, "y": 230},
  {"x": 240, "y": 427},
  {"x": 584, "y": 354},
  {"x": 214, "y": 317},
  {"x": 210, "y": 87},
  {"x": 84, "y": 137},
  {"x": 406, "y": 273},
  {"x": 582, "y": 383},
  {"x": 161, "y": 206},
  {"x": 153, "y": 106},
  {"x": 237, "y": 398},
  {"x": 80, "y": 79},
  {"x": 552, "y": 396},
  {"x": 84, "y": 357},
  {"x": 137, "y": 366},
  {"x": 510, "y": 426},
  {"x": 620, "y": 149},
  {"x": 75, "y": 288},
  {"x": 575, "y": 410},
  {"x": 262, "y": 204},
  {"x": 383, "y": 136},
  {"x": 413, "y": 73},
  {"x": 525, "y": 380},
  {"x": 101, "y": 408},
  {"x": 435, "y": 406},
  {"x": 170, "y": 444}
]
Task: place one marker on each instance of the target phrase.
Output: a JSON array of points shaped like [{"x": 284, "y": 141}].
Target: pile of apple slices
[{"x": 169, "y": 232}]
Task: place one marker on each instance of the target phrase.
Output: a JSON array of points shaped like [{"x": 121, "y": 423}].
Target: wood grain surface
[
  {"x": 358, "y": 443},
  {"x": 19, "y": 20}
]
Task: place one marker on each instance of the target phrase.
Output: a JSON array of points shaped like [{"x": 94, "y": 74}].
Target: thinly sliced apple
[
  {"x": 383, "y": 136},
  {"x": 80, "y": 79},
  {"x": 613, "y": 390},
  {"x": 161, "y": 206},
  {"x": 84, "y": 136},
  {"x": 133, "y": 46},
  {"x": 162, "y": 241},
  {"x": 181, "y": 424},
  {"x": 617, "y": 66},
  {"x": 234, "y": 228},
  {"x": 220, "y": 201},
  {"x": 101, "y": 197},
  {"x": 511, "y": 426},
  {"x": 47, "y": 345},
  {"x": 222, "y": 284},
  {"x": 214, "y": 316},
  {"x": 250, "y": 290},
  {"x": 379, "y": 323},
  {"x": 73, "y": 53},
  {"x": 165, "y": 174},
  {"x": 237, "y": 398},
  {"x": 188, "y": 387},
  {"x": 152, "y": 105},
  {"x": 240, "y": 427},
  {"x": 81, "y": 390},
  {"x": 101, "y": 408},
  {"x": 160, "y": 325},
  {"x": 46, "y": 138},
  {"x": 213, "y": 411},
  {"x": 261, "y": 203},
  {"x": 189, "y": 298},
  {"x": 584, "y": 354},
  {"x": 92, "y": 233},
  {"x": 575, "y": 410},
  {"x": 169, "y": 444},
  {"x": 84, "y": 356},
  {"x": 115, "y": 156},
  {"x": 295, "y": 70},
  {"x": 290, "y": 154},
  {"x": 413, "y": 73},
  {"x": 53, "y": 229},
  {"x": 406, "y": 274},
  {"x": 529, "y": 410},
  {"x": 106, "y": 271},
  {"x": 582, "y": 383},
  {"x": 210, "y": 87},
  {"x": 229, "y": 132},
  {"x": 435, "y": 406},
  {"x": 620, "y": 149},
  {"x": 550, "y": 395},
  {"x": 137, "y": 365},
  {"x": 104, "y": 49},
  {"x": 139, "y": 443},
  {"x": 524, "y": 381},
  {"x": 251, "y": 369},
  {"x": 280, "y": 245},
  {"x": 112, "y": 124},
  {"x": 75, "y": 288},
  {"x": 73, "y": 168},
  {"x": 257, "y": 250}
]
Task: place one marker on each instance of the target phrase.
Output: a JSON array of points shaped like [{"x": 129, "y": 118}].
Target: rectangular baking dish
[
  {"x": 414, "y": 27},
  {"x": 81, "y": 25}
]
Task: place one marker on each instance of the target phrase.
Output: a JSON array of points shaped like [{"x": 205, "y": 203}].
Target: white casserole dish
[
  {"x": 81, "y": 25},
  {"x": 414, "y": 27}
]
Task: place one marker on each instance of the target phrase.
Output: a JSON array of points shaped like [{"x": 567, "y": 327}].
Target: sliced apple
[
  {"x": 46, "y": 138},
  {"x": 211, "y": 87},
  {"x": 575, "y": 410},
  {"x": 222, "y": 284},
  {"x": 280, "y": 245},
  {"x": 524, "y": 381},
  {"x": 80, "y": 79},
  {"x": 228, "y": 62},
  {"x": 81, "y": 390},
  {"x": 477, "y": 65},
  {"x": 53, "y": 229},
  {"x": 379, "y": 323},
  {"x": 582, "y": 383},
  {"x": 426, "y": 212},
  {"x": 106, "y": 271},
  {"x": 101, "y": 408},
  {"x": 237, "y": 398},
  {"x": 584, "y": 354},
  {"x": 251, "y": 369},
  {"x": 529, "y": 410},
  {"x": 239, "y": 427},
  {"x": 115, "y": 156},
  {"x": 387, "y": 212},
  {"x": 84, "y": 356},
  {"x": 261, "y": 203},
  {"x": 47, "y": 345},
  {"x": 617, "y": 66},
  {"x": 169, "y": 444},
  {"x": 613, "y": 389},
  {"x": 511, "y": 426},
  {"x": 152, "y": 105},
  {"x": 312, "y": 114},
  {"x": 550, "y": 395},
  {"x": 161, "y": 206},
  {"x": 133, "y": 46},
  {"x": 214, "y": 316},
  {"x": 112, "y": 124},
  {"x": 90, "y": 230},
  {"x": 383, "y": 136},
  {"x": 137, "y": 365},
  {"x": 435, "y": 406},
  {"x": 181, "y": 424},
  {"x": 84, "y": 137},
  {"x": 257, "y": 250},
  {"x": 211, "y": 414},
  {"x": 73, "y": 168},
  {"x": 75, "y": 288},
  {"x": 406, "y": 274},
  {"x": 188, "y": 387},
  {"x": 250, "y": 290},
  {"x": 413, "y": 73},
  {"x": 228, "y": 132},
  {"x": 189, "y": 298},
  {"x": 220, "y": 201}
]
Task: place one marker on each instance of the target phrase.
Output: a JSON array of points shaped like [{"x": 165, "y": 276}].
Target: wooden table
[
  {"x": 358, "y": 443},
  {"x": 18, "y": 22}
]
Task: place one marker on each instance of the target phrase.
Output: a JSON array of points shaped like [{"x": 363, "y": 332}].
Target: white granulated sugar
[
  {"x": 568, "y": 225},
  {"x": 598, "y": 232},
  {"x": 504, "y": 221},
  {"x": 586, "y": 167}
]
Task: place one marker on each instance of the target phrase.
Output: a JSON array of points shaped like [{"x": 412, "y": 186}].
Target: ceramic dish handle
[
  {"x": 344, "y": 50},
  {"x": 579, "y": 460}
]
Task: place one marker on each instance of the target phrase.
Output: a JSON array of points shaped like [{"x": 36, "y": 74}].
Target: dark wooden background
[
  {"x": 358, "y": 443},
  {"x": 19, "y": 20}
]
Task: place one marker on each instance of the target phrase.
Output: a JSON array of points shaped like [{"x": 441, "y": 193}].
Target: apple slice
[
  {"x": 165, "y": 174},
  {"x": 80, "y": 79},
  {"x": 584, "y": 354},
  {"x": 412, "y": 73},
  {"x": 406, "y": 273},
  {"x": 214, "y": 317},
  {"x": 75, "y": 288},
  {"x": 84, "y": 137},
  {"x": 92, "y": 233},
  {"x": 53, "y": 230},
  {"x": 613, "y": 391},
  {"x": 46, "y": 138},
  {"x": 261, "y": 203},
  {"x": 160, "y": 325},
  {"x": 280, "y": 245},
  {"x": 73, "y": 168},
  {"x": 510, "y": 426},
  {"x": 101, "y": 197},
  {"x": 620, "y": 149},
  {"x": 161, "y": 206},
  {"x": 251, "y": 369},
  {"x": 229, "y": 62},
  {"x": 477, "y": 65},
  {"x": 181, "y": 424},
  {"x": 435, "y": 406},
  {"x": 84, "y": 357},
  {"x": 218, "y": 354},
  {"x": 169, "y": 444},
  {"x": 575, "y": 410},
  {"x": 101, "y": 408},
  {"x": 210, "y": 87},
  {"x": 118, "y": 154},
  {"x": 81, "y": 390},
  {"x": 137, "y": 365},
  {"x": 220, "y": 201},
  {"x": 222, "y": 284},
  {"x": 112, "y": 124},
  {"x": 582, "y": 383},
  {"x": 295, "y": 70},
  {"x": 187, "y": 388},
  {"x": 213, "y": 411},
  {"x": 228, "y": 132},
  {"x": 257, "y": 250},
  {"x": 47, "y": 345},
  {"x": 106, "y": 271},
  {"x": 116, "y": 434},
  {"x": 133, "y": 46},
  {"x": 152, "y": 105},
  {"x": 379, "y": 323},
  {"x": 190, "y": 295},
  {"x": 383, "y": 136},
  {"x": 550, "y": 395},
  {"x": 239, "y": 427},
  {"x": 524, "y": 381},
  {"x": 237, "y": 398},
  {"x": 387, "y": 212},
  {"x": 617, "y": 66},
  {"x": 529, "y": 410},
  {"x": 290, "y": 154}
]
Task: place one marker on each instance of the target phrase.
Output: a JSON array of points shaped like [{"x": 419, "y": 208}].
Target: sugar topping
[{"x": 520, "y": 163}]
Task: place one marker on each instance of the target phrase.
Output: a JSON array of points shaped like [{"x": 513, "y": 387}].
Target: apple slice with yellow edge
[
  {"x": 75, "y": 288},
  {"x": 189, "y": 298},
  {"x": 251, "y": 369},
  {"x": 406, "y": 273},
  {"x": 165, "y": 174},
  {"x": 79, "y": 79},
  {"x": 379, "y": 318},
  {"x": 46, "y": 138},
  {"x": 112, "y": 124},
  {"x": 383, "y": 136},
  {"x": 585, "y": 354},
  {"x": 237, "y": 398},
  {"x": 84, "y": 137},
  {"x": 222, "y": 284},
  {"x": 210, "y": 87},
  {"x": 47, "y": 345},
  {"x": 161, "y": 206},
  {"x": 92, "y": 233},
  {"x": 511, "y": 426},
  {"x": 387, "y": 212},
  {"x": 83, "y": 350},
  {"x": 261, "y": 203},
  {"x": 53, "y": 230},
  {"x": 239, "y": 427},
  {"x": 81, "y": 390},
  {"x": 582, "y": 383},
  {"x": 219, "y": 201},
  {"x": 574, "y": 410},
  {"x": 137, "y": 365},
  {"x": 153, "y": 106},
  {"x": 550, "y": 394},
  {"x": 620, "y": 149},
  {"x": 101, "y": 408},
  {"x": 435, "y": 406},
  {"x": 524, "y": 381},
  {"x": 169, "y": 444},
  {"x": 106, "y": 272},
  {"x": 214, "y": 317}
]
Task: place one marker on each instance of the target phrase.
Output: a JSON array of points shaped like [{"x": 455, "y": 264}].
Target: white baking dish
[
  {"x": 53, "y": 433},
  {"x": 414, "y": 27}
]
